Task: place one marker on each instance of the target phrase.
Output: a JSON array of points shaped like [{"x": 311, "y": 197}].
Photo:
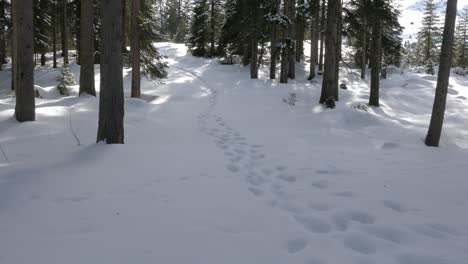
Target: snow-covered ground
[{"x": 218, "y": 169}]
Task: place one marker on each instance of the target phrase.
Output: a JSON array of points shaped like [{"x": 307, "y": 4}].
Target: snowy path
[{"x": 217, "y": 169}]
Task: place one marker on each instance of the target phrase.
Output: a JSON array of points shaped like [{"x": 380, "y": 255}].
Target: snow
[{"x": 218, "y": 169}]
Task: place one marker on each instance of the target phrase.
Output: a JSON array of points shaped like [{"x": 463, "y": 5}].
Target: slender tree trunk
[
  {"x": 111, "y": 101},
  {"x": 376, "y": 63},
  {"x": 330, "y": 80},
  {"x": 78, "y": 32},
  {"x": 274, "y": 40},
  {"x": 65, "y": 32},
  {"x": 2, "y": 38},
  {"x": 87, "y": 48},
  {"x": 323, "y": 22},
  {"x": 24, "y": 76},
  {"x": 314, "y": 19},
  {"x": 285, "y": 47},
  {"x": 438, "y": 111},
  {"x": 253, "y": 63},
  {"x": 364, "y": 48},
  {"x": 212, "y": 33},
  {"x": 338, "y": 50},
  {"x": 124, "y": 23},
  {"x": 291, "y": 34},
  {"x": 54, "y": 33},
  {"x": 300, "y": 30},
  {"x": 135, "y": 49},
  {"x": 13, "y": 50}
]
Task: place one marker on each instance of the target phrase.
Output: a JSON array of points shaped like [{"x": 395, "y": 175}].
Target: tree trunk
[
  {"x": 338, "y": 50},
  {"x": 54, "y": 33},
  {"x": 438, "y": 111},
  {"x": 64, "y": 29},
  {"x": 253, "y": 62},
  {"x": 111, "y": 101},
  {"x": 124, "y": 23},
  {"x": 323, "y": 22},
  {"x": 274, "y": 40},
  {"x": 291, "y": 35},
  {"x": 313, "y": 38},
  {"x": 13, "y": 51},
  {"x": 330, "y": 80},
  {"x": 87, "y": 48},
  {"x": 212, "y": 33},
  {"x": 135, "y": 49},
  {"x": 24, "y": 75},
  {"x": 285, "y": 47},
  {"x": 376, "y": 63},
  {"x": 300, "y": 30},
  {"x": 364, "y": 48},
  {"x": 2, "y": 38}
]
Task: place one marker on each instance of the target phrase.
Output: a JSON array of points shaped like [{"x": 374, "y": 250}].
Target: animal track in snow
[
  {"x": 296, "y": 245},
  {"x": 313, "y": 225},
  {"x": 321, "y": 184},
  {"x": 394, "y": 206},
  {"x": 388, "y": 233},
  {"x": 360, "y": 243}
]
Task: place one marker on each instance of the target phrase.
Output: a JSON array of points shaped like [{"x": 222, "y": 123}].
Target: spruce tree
[
  {"x": 200, "y": 29},
  {"x": 461, "y": 48},
  {"x": 429, "y": 35},
  {"x": 87, "y": 48}
]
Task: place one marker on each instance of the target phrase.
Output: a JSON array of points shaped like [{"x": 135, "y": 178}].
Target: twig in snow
[
  {"x": 71, "y": 128},
  {"x": 4, "y": 154}
]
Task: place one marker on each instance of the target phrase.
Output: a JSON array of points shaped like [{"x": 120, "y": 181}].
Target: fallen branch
[{"x": 71, "y": 128}]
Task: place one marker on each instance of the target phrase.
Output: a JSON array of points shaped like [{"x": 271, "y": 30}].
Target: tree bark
[
  {"x": 438, "y": 111},
  {"x": 54, "y": 33},
  {"x": 364, "y": 48},
  {"x": 111, "y": 101},
  {"x": 124, "y": 23},
  {"x": 330, "y": 80},
  {"x": 291, "y": 35},
  {"x": 24, "y": 75},
  {"x": 322, "y": 35},
  {"x": 64, "y": 29},
  {"x": 274, "y": 40},
  {"x": 300, "y": 30},
  {"x": 339, "y": 26},
  {"x": 87, "y": 48},
  {"x": 2, "y": 38},
  {"x": 135, "y": 49},
  {"x": 376, "y": 63},
  {"x": 254, "y": 61},
  {"x": 212, "y": 32},
  {"x": 285, "y": 47},
  {"x": 314, "y": 20}
]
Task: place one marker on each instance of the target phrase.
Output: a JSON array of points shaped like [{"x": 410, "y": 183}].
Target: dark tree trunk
[
  {"x": 124, "y": 23},
  {"x": 314, "y": 20},
  {"x": 300, "y": 30},
  {"x": 87, "y": 48},
  {"x": 254, "y": 61},
  {"x": 323, "y": 22},
  {"x": 285, "y": 47},
  {"x": 135, "y": 49},
  {"x": 54, "y": 33},
  {"x": 43, "y": 58},
  {"x": 13, "y": 51},
  {"x": 330, "y": 79},
  {"x": 376, "y": 63},
  {"x": 274, "y": 40},
  {"x": 2, "y": 37},
  {"x": 364, "y": 48},
  {"x": 212, "y": 32},
  {"x": 338, "y": 50},
  {"x": 64, "y": 28},
  {"x": 291, "y": 34},
  {"x": 24, "y": 75},
  {"x": 438, "y": 111},
  {"x": 111, "y": 101}
]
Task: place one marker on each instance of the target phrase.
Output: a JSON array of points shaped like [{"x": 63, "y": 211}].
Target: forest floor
[{"x": 218, "y": 169}]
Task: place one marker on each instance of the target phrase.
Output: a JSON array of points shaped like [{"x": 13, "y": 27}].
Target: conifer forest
[{"x": 234, "y": 131}]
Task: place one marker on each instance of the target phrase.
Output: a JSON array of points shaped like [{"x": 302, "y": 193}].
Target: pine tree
[
  {"x": 429, "y": 35},
  {"x": 42, "y": 25},
  {"x": 200, "y": 30},
  {"x": 314, "y": 13},
  {"x": 64, "y": 30},
  {"x": 4, "y": 23},
  {"x": 111, "y": 101},
  {"x": 23, "y": 38},
  {"x": 438, "y": 111},
  {"x": 461, "y": 48}
]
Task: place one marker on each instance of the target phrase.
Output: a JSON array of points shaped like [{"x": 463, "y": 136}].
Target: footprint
[
  {"x": 360, "y": 243},
  {"x": 319, "y": 206},
  {"x": 344, "y": 194},
  {"x": 255, "y": 191},
  {"x": 296, "y": 245},
  {"x": 255, "y": 179},
  {"x": 396, "y": 206},
  {"x": 281, "y": 168},
  {"x": 388, "y": 233},
  {"x": 287, "y": 177},
  {"x": 313, "y": 225},
  {"x": 322, "y": 184},
  {"x": 232, "y": 168},
  {"x": 342, "y": 220},
  {"x": 410, "y": 258},
  {"x": 390, "y": 145}
]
